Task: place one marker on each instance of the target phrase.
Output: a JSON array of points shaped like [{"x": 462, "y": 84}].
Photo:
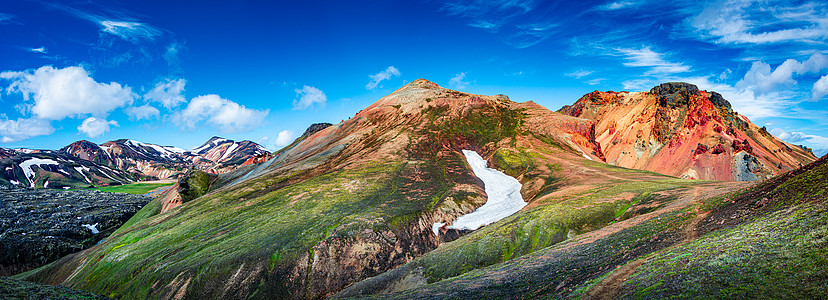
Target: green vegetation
[
  {"x": 779, "y": 256},
  {"x": 133, "y": 188},
  {"x": 15, "y": 289}
]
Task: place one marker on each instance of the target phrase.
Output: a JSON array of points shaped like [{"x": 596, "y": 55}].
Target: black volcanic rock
[
  {"x": 41, "y": 226},
  {"x": 674, "y": 94},
  {"x": 18, "y": 289},
  {"x": 314, "y": 128}
]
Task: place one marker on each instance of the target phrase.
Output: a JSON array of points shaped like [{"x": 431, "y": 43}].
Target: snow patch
[
  {"x": 436, "y": 228},
  {"x": 503, "y": 191},
  {"x": 34, "y": 161},
  {"x": 586, "y": 156},
  {"x": 229, "y": 151},
  {"x": 14, "y": 182},
  {"x": 80, "y": 170},
  {"x": 93, "y": 228},
  {"x": 46, "y": 184}
]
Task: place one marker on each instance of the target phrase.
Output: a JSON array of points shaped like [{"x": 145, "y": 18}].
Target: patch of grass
[{"x": 133, "y": 188}]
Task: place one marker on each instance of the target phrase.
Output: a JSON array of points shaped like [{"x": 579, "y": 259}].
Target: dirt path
[{"x": 609, "y": 286}]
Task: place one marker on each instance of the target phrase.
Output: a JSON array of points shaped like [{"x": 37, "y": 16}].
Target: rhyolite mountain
[
  {"x": 84, "y": 163},
  {"x": 679, "y": 130},
  {"x": 364, "y": 200},
  {"x": 49, "y": 169}
]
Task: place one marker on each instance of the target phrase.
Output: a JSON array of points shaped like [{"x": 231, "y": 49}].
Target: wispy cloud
[
  {"x": 508, "y": 17},
  {"x": 119, "y": 24},
  {"x": 646, "y": 57},
  {"x": 595, "y": 81},
  {"x": 38, "y": 50},
  {"x": 5, "y": 18},
  {"x": 143, "y": 112},
  {"x": 578, "y": 74},
  {"x": 615, "y": 5},
  {"x": 308, "y": 97},
  {"x": 386, "y": 74},
  {"x": 762, "y": 22},
  {"x": 458, "y": 82}
]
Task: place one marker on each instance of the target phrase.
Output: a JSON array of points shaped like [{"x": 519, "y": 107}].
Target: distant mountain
[
  {"x": 128, "y": 160},
  {"x": 219, "y": 155},
  {"x": 678, "y": 130},
  {"x": 60, "y": 171}
]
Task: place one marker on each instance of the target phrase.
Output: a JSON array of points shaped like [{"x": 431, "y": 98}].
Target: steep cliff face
[{"x": 678, "y": 130}]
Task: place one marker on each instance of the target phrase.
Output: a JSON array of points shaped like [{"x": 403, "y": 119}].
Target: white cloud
[
  {"x": 379, "y": 77},
  {"x": 595, "y": 81},
  {"x": 645, "y": 57},
  {"x": 167, "y": 92},
  {"x": 227, "y": 115},
  {"x": 284, "y": 138},
  {"x": 130, "y": 31},
  {"x": 820, "y": 88},
  {"x": 21, "y": 129},
  {"x": 578, "y": 74},
  {"x": 67, "y": 92},
  {"x": 457, "y": 82},
  {"x": 38, "y": 50},
  {"x": 761, "y": 79},
  {"x": 761, "y": 22},
  {"x": 615, "y": 5},
  {"x": 144, "y": 112},
  {"x": 308, "y": 96},
  {"x": 94, "y": 127},
  {"x": 816, "y": 142}
]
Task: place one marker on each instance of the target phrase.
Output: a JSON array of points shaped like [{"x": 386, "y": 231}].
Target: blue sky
[{"x": 179, "y": 73}]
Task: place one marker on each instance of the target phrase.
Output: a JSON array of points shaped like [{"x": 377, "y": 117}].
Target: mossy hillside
[
  {"x": 782, "y": 255},
  {"x": 210, "y": 238},
  {"x": 195, "y": 184},
  {"x": 565, "y": 270},
  {"x": 534, "y": 229},
  {"x": 15, "y": 289}
]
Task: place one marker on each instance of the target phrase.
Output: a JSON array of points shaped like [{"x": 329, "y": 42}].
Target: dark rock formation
[
  {"x": 316, "y": 127},
  {"x": 40, "y": 226},
  {"x": 194, "y": 184},
  {"x": 674, "y": 94}
]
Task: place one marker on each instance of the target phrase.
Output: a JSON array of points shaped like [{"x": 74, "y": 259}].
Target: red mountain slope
[{"x": 678, "y": 130}]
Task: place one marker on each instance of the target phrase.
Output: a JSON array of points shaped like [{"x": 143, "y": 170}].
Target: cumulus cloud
[
  {"x": 284, "y": 138},
  {"x": 94, "y": 127},
  {"x": 761, "y": 79},
  {"x": 308, "y": 96},
  {"x": 167, "y": 92},
  {"x": 379, "y": 77},
  {"x": 21, "y": 129},
  {"x": 227, "y": 115},
  {"x": 457, "y": 82},
  {"x": 67, "y": 92},
  {"x": 820, "y": 88},
  {"x": 816, "y": 142},
  {"x": 144, "y": 112}
]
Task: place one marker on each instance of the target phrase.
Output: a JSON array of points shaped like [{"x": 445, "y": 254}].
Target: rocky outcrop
[
  {"x": 195, "y": 184},
  {"x": 16, "y": 289},
  {"x": 316, "y": 127},
  {"x": 40, "y": 226}
]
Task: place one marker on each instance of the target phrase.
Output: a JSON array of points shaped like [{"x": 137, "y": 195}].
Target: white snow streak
[
  {"x": 27, "y": 167},
  {"x": 436, "y": 228},
  {"x": 503, "y": 193},
  {"x": 229, "y": 151}
]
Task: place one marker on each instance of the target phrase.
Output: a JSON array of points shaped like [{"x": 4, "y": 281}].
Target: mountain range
[
  {"x": 84, "y": 163},
  {"x": 366, "y": 207}
]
